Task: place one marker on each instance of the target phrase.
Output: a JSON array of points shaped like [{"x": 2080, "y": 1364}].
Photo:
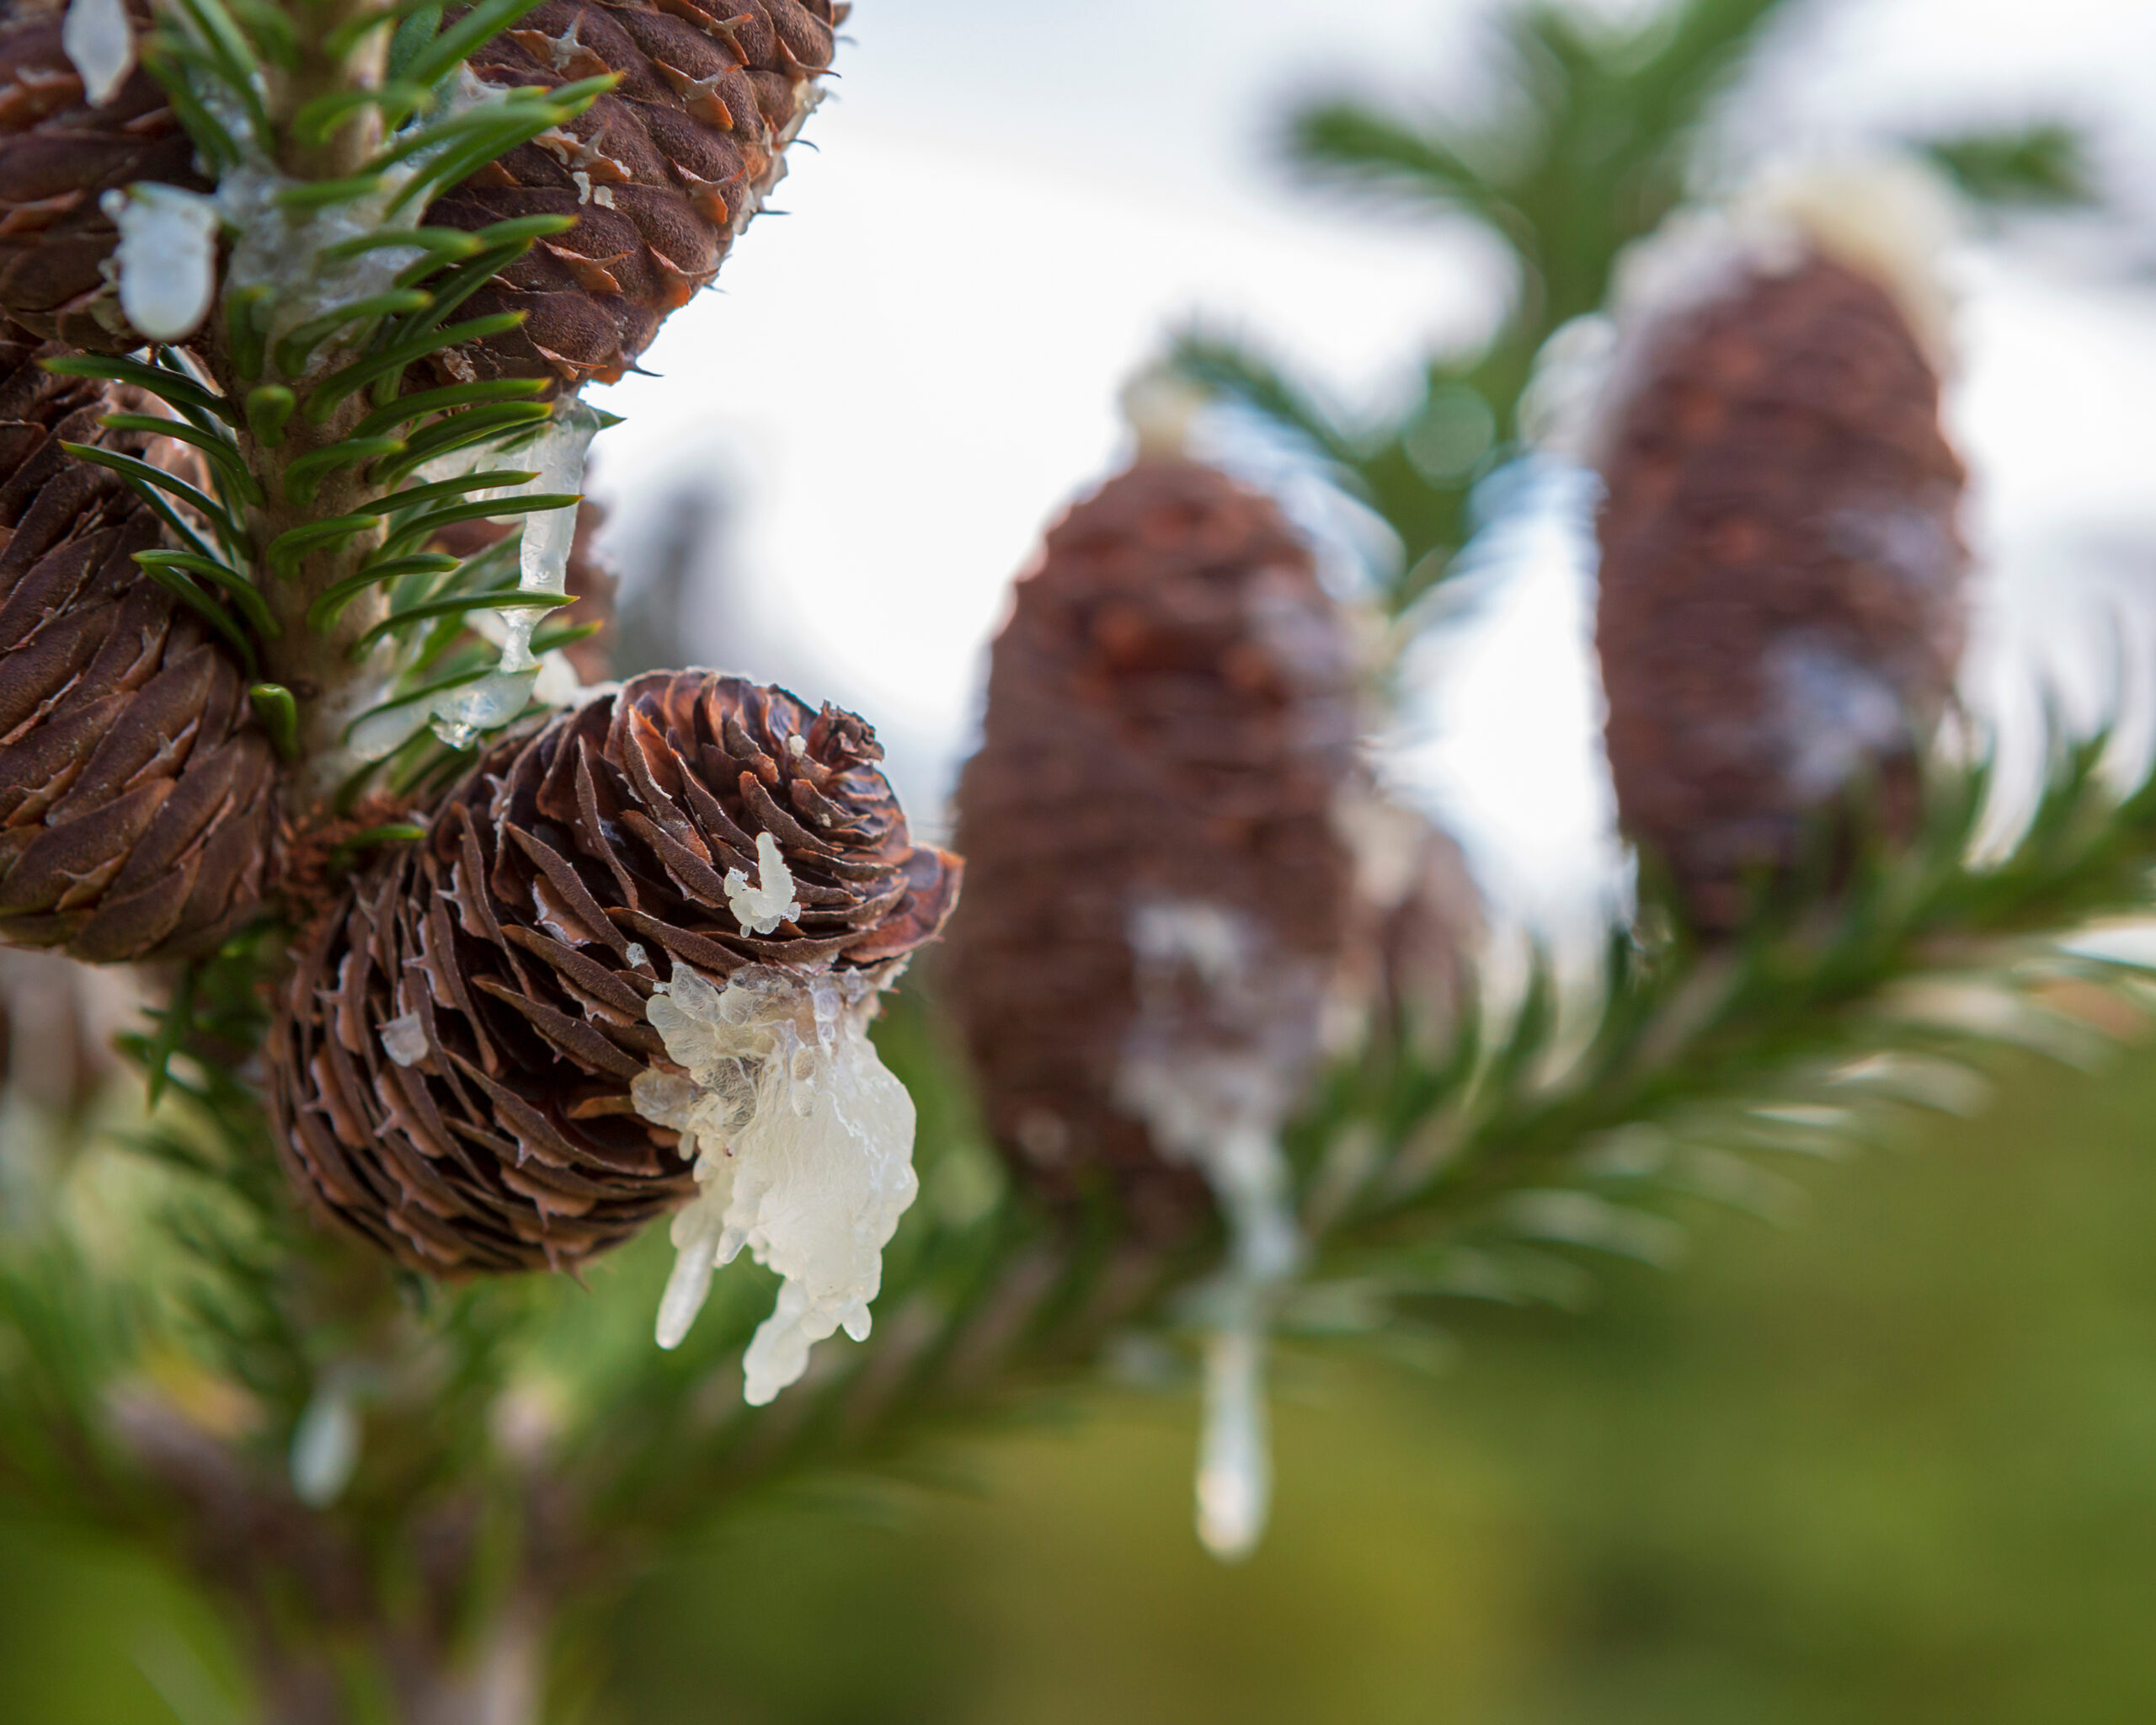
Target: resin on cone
[
  {"x": 456, "y": 1074},
  {"x": 136, "y": 791},
  {"x": 1429, "y": 928},
  {"x": 60, "y": 153},
  {"x": 1161, "y": 895},
  {"x": 1781, "y": 601}
]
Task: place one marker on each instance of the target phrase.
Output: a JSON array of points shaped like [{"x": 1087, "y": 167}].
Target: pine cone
[
  {"x": 451, "y": 1078},
  {"x": 135, "y": 791},
  {"x": 58, "y": 156},
  {"x": 1159, "y": 895},
  {"x": 1781, "y": 591},
  {"x": 661, "y": 175}
]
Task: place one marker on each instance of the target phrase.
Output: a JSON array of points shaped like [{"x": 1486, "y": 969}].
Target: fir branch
[{"x": 1589, "y": 159}]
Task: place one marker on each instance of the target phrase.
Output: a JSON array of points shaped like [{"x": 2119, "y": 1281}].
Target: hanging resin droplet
[
  {"x": 1234, "y": 1457},
  {"x": 100, "y": 44},
  {"x": 168, "y": 258},
  {"x": 325, "y": 1450},
  {"x": 803, "y": 1143}
]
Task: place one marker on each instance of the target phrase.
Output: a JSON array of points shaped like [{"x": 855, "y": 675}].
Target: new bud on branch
[
  {"x": 1781, "y": 607},
  {"x": 564, "y": 1013}
]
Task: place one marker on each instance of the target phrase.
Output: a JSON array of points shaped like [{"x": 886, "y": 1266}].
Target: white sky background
[{"x": 897, "y": 386}]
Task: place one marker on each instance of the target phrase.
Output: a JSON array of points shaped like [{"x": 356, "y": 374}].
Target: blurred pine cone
[
  {"x": 1429, "y": 926},
  {"x": 58, "y": 1020},
  {"x": 135, "y": 790},
  {"x": 1159, "y": 894},
  {"x": 58, "y": 156},
  {"x": 661, "y": 174},
  {"x": 1781, "y": 591},
  {"x": 451, "y": 1078}
]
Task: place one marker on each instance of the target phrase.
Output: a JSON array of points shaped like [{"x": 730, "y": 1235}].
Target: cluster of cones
[
  {"x": 1168, "y": 825},
  {"x": 1179, "y": 862},
  {"x": 450, "y": 1068}
]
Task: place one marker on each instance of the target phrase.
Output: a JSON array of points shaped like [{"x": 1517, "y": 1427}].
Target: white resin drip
[
  {"x": 1203, "y": 1068},
  {"x": 556, "y": 459},
  {"x": 761, "y": 906},
  {"x": 404, "y": 1040},
  {"x": 378, "y": 735},
  {"x": 282, "y": 249},
  {"x": 1234, "y": 1454},
  {"x": 557, "y": 464},
  {"x": 803, "y": 1147},
  {"x": 325, "y": 1450},
  {"x": 1161, "y": 409},
  {"x": 99, "y": 42},
  {"x": 459, "y": 715},
  {"x": 1832, "y": 714},
  {"x": 166, "y": 257}
]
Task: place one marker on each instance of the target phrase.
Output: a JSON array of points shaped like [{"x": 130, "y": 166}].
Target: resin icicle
[
  {"x": 100, "y": 44},
  {"x": 1213, "y": 1097},
  {"x": 804, "y": 1144},
  {"x": 1234, "y": 1458},
  {"x": 557, "y": 459}
]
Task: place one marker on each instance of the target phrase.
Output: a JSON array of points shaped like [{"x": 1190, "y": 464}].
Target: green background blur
[{"x": 1898, "y": 1464}]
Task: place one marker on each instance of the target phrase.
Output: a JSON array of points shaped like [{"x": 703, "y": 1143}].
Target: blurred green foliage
[
  {"x": 2042, "y": 165},
  {"x": 1893, "y": 1466},
  {"x": 1594, "y": 127}
]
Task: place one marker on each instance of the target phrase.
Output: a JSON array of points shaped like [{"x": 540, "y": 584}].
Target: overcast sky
[{"x": 901, "y": 382}]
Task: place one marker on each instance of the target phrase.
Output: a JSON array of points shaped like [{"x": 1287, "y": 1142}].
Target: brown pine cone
[
  {"x": 135, "y": 790},
  {"x": 1160, "y": 896},
  {"x": 661, "y": 174},
  {"x": 1781, "y": 593},
  {"x": 58, "y": 156},
  {"x": 451, "y": 1077}
]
